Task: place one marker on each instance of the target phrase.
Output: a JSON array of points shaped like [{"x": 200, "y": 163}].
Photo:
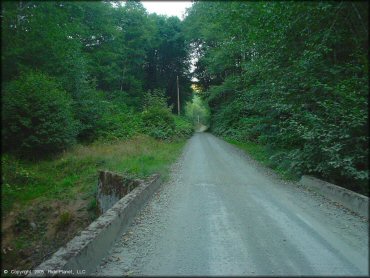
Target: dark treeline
[
  {"x": 78, "y": 71},
  {"x": 292, "y": 76},
  {"x": 289, "y": 75}
]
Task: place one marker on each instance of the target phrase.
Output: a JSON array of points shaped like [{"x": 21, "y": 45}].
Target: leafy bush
[
  {"x": 37, "y": 116},
  {"x": 88, "y": 111},
  {"x": 118, "y": 122},
  {"x": 158, "y": 122},
  {"x": 157, "y": 119},
  {"x": 303, "y": 94},
  {"x": 183, "y": 127}
]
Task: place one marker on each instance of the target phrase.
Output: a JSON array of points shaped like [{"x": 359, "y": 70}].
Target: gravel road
[{"x": 223, "y": 214}]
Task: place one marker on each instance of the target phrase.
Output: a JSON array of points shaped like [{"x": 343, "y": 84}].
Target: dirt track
[{"x": 223, "y": 214}]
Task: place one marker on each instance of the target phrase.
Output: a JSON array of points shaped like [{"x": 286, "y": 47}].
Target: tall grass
[
  {"x": 264, "y": 155},
  {"x": 73, "y": 174}
]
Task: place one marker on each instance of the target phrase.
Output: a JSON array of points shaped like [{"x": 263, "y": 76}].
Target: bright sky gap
[{"x": 168, "y": 8}]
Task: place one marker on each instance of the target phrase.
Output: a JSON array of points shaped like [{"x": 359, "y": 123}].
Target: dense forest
[
  {"x": 292, "y": 76},
  {"x": 85, "y": 86},
  {"x": 93, "y": 85},
  {"x": 79, "y": 70}
]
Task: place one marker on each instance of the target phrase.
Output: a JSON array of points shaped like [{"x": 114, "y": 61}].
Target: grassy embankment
[
  {"x": 261, "y": 154},
  {"x": 46, "y": 203}
]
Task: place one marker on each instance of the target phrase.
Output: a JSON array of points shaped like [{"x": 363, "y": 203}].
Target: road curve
[{"x": 223, "y": 214}]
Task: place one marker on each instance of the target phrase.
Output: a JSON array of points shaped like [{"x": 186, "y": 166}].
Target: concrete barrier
[
  {"x": 356, "y": 202},
  {"x": 81, "y": 256},
  {"x": 111, "y": 188}
]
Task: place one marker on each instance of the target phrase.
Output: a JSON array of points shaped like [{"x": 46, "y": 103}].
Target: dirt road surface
[{"x": 223, "y": 214}]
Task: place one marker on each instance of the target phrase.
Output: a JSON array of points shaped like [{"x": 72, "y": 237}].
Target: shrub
[
  {"x": 88, "y": 110},
  {"x": 158, "y": 122},
  {"x": 157, "y": 119},
  {"x": 183, "y": 127},
  {"x": 118, "y": 122},
  {"x": 37, "y": 116}
]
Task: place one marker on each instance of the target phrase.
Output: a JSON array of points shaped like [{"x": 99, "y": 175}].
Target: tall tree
[{"x": 290, "y": 75}]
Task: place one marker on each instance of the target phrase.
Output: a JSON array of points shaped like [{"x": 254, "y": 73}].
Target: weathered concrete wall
[
  {"x": 351, "y": 200},
  {"x": 85, "y": 251},
  {"x": 111, "y": 188}
]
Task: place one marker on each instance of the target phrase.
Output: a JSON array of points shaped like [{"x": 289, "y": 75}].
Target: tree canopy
[
  {"x": 104, "y": 55},
  {"x": 290, "y": 75}
]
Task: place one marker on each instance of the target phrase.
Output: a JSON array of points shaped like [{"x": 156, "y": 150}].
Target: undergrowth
[
  {"x": 47, "y": 202},
  {"x": 263, "y": 155},
  {"x": 75, "y": 172}
]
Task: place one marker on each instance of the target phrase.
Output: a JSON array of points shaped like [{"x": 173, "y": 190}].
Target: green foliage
[
  {"x": 37, "y": 116},
  {"x": 266, "y": 156},
  {"x": 157, "y": 118},
  {"x": 168, "y": 58},
  {"x": 74, "y": 172},
  {"x": 197, "y": 110},
  {"x": 118, "y": 122},
  {"x": 158, "y": 122},
  {"x": 104, "y": 56},
  {"x": 77, "y": 71},
  {"x": 183, "y": 127},
  {"x": 15, "y": 172},
  {"x": 89, "y": 108},
  {"x": 291, "y": 77}
]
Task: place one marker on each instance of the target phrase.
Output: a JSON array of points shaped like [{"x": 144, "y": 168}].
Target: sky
[{"x": 169, "y": 8}]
